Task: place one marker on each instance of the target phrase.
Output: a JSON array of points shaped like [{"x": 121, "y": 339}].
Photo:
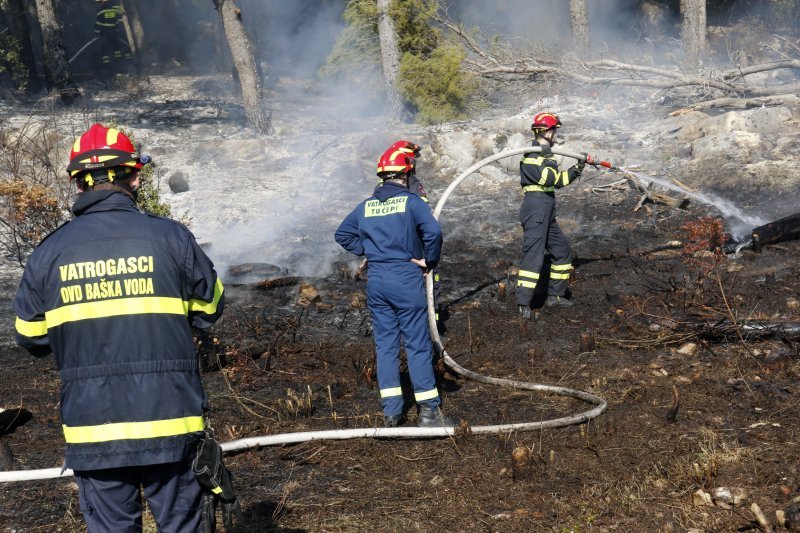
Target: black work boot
[
  {"x": 435, "y": 418},
  {"x": 524, "y": 311},
  {"x": 557, "y": 301},
  {"x": 392, "y": 421}
]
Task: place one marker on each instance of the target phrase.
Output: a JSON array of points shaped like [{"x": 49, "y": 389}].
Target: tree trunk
[
  {"x": 579, "y": 24},
  {"x": 258, "y": 115},
  {"x": 390, "y": 56},
  {"x": 56, "y": 64},
  {"x": 134, "y": 31},
  {"x": 693, "y": 29},
  {"x": 18, "y": 27}
]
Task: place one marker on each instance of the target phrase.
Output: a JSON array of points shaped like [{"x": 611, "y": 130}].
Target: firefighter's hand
[
  {"x": 577, "y": 170},
  {"x": 421, "y": 263}
]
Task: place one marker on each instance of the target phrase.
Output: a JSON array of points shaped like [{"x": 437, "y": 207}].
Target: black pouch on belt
[{"x": 211, "y": 473}]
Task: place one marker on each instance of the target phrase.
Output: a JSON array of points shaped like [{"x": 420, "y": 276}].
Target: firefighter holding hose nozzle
[
  {"x": 539, "y": 178},
  {"x": 402, "y": 241}
]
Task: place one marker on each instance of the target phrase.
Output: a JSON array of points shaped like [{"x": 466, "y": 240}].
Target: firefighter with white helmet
[
  {"x": 401, "y": 240},
  {"x": 114, "y": 295},
  {"x": 539, "y": 178}
]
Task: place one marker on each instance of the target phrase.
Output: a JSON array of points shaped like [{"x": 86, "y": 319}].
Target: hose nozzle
[{"x": 595, "y": 161}]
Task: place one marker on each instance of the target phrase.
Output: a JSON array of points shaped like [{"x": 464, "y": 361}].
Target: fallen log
[
  {"x": 781, "y": 230},
  {"x": 761, "y": 329}
]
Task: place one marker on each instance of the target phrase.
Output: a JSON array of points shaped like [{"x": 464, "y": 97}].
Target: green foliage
[
  {"x": 436, "y": 86},
  {"x": 356, "y": 54},
  {"x": 430, "y": 78},
  {"x": 148, "y": 198},
  {"x": 11, "y": 61}
]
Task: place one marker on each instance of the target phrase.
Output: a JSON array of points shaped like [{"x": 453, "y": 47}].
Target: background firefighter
[
  {"x": 110, "y": 32},
  {"x": 401, "y": 240},
  {"x": 115, "y": 293},
  {"x": 539, "y": 178}
]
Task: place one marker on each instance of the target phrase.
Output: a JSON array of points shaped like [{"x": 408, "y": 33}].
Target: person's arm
[
  {"x": 31, "y": 325},
  {"x": 431, "y": 232},
  {"x": 207, "y": 298},
  {"x": 543, "y": 171},
  {"x": 348, "y": 234}
]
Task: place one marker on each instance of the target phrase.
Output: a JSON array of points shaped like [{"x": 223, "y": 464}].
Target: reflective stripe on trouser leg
[
  {"x": 533, "y": 242},
  {"x": 386, "y": 332},
  {"x": 417, "y": 339},
  {"x": 561, "y": 266}
]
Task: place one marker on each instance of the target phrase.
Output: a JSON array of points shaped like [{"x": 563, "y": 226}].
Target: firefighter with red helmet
[
  {"x": 415, "y": 187},
  {"x": 114, "y": 295},
  {"x": 539, "y": 178},
  {"x": 402, "y": 241}
]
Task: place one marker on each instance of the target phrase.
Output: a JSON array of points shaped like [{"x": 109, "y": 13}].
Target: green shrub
[{"x": 11, "y": 62}]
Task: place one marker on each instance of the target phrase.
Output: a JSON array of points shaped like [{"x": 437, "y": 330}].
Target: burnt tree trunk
[
  {"x": 244, "y": 62},
  {"x": 579, "y": 24},
  {"x": 56, "y": 63},
  {"x": 18, "y": 27},
  {"x": 134, "y": 31},
  {"x": 390, "y": 56},
  {"x": 693, "y": 29}
]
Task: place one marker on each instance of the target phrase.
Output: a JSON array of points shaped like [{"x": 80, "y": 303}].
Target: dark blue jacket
[
  {"x": 114, "y": 294},
  {"x": 392, "y": 226}
]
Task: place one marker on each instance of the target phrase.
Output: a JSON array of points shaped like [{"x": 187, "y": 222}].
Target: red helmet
[
  {"x": 102, "y": 147},
  {"x": 398, "y": 158},
  {"x": 407, "y": 147},
  {"x": 545, "y": 121}
]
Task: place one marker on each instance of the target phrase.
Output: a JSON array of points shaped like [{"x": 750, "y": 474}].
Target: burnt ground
[{"x": 298, "y": 356}]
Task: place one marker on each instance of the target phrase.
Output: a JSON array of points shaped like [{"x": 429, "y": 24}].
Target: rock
[
  {"x": 689, "y": 349},
  {"x": 179, "y": 182},
  {"x": 702, "y": 499},
  {"x": 744, "y": 144},
  {"x": 766, "y": 120},
  {"x": 726, "y": 497},
  {"x": 792, "y": 303},
  {"x": 455, "y": 149}
]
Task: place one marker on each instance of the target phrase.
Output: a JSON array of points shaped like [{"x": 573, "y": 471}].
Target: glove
[
  {"x": 591, "y": 159},
  {"x": 577, "y": 169}
]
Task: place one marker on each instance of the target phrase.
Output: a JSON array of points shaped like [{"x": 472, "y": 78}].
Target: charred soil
[{"x": 690, "y": 407}]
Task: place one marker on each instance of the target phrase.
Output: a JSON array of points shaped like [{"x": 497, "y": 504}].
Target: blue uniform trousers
[
  {"x": 396, "y": 299},
  {"x": 110, "y": 499}
]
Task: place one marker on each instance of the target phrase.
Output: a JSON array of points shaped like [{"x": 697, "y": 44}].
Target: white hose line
[
  {"x": 402, "y": 432},
  {"x": 581, "y": 418}
]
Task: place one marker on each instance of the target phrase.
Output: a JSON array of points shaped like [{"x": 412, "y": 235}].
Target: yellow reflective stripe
[
  {"x": 117, "y": 307},
  {"x": 35, "y": 328},
  {"x": 533, "y": 160},
  {"x": 565, "y": 275},
  {"x": 217, "y": 490},
  {"x": 567, "y": 266},
  {"x": 427, "y": 395},
  {"x": 391, "y": 168},
  {"x": 111, "y": 136},
  {"x": 528, "y": 274},
  {"x": 76, "y": 146},
  {"x": 538, "y": 188},
  {"x": 133, "y": 430},
  {"x": 526, "y": 284},
  {"x": 209, "y": 308},
  {"x": 564, "y": 177},
  {"x": 394, "y": 391}
]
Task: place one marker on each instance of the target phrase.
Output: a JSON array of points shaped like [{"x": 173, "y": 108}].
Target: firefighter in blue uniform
[
  {"x": 539, "y": 178},
  {"x": 114, "y": 294},
  {"x": 401, "y": 240},
  {"x": 415, "y": 187}
]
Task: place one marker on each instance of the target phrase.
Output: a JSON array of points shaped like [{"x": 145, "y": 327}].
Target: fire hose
[{"x": 599, "y": 408}]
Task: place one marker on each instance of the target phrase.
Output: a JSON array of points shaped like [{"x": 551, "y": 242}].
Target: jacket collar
[
  {"x": 389, "y": 189},
  {"x": 105, "y": 200}
]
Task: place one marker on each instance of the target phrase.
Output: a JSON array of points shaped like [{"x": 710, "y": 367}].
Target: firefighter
[
  {"x": 415, "y": 187},
  {"x": 401, "y": 240},
  {"x": 109, "y": 30},
  {"x": 540, "y": 177},
  {"x": 114, "y": 294}
]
